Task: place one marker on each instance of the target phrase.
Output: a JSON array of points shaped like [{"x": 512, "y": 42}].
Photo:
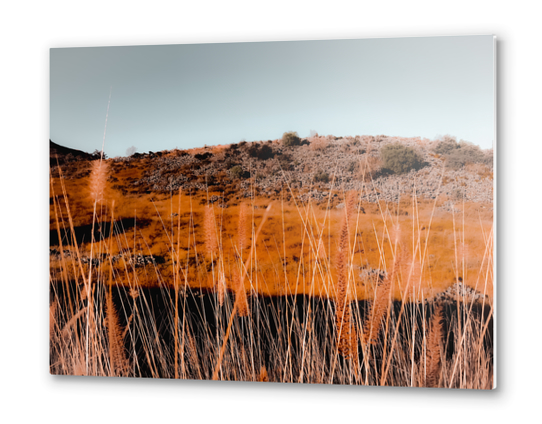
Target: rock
[{"x": 463, "y": 292}]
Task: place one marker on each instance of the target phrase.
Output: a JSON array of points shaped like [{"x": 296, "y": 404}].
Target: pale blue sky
[{"x": 189, "y": 95}]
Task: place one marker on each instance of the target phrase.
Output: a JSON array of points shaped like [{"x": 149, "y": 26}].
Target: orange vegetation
[{"x": 298, "y": 247}]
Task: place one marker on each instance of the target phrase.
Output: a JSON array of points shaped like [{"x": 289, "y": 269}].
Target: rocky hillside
[
  {"x": 317, "y": 165},
  {"x": 312, "y": 168}
]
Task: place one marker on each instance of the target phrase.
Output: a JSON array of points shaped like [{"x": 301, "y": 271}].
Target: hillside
[
  {"x": 59, "y": 154},
  {"x": 315, "y": 167},
  {"x": 444, "y": 205}
]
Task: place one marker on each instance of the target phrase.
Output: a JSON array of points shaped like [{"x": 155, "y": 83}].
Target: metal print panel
[{"x": 303, "y": 212}]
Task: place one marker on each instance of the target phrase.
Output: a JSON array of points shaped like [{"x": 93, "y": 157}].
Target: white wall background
[{"x": 28, "y": 29}]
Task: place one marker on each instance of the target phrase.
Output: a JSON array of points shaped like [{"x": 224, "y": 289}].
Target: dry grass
[
  {"x": 433, "y": 349},
  {"x": 208, "y": 311}
]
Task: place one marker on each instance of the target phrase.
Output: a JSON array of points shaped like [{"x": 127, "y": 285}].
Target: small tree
[
  {"x": 400, "y": 159},
  {"x": 290, "y": 139}
]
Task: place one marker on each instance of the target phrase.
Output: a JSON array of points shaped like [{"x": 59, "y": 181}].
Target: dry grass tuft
[
  {"x": 433, "y": 349},
  {"x": 346, "y": 332},
  {"x": 117, "y": 355},
  {"x": 241, "y": 295},
  {"x": 221, "y": 287},
  {"x": 380, "y": 304},
  {"x": 52, "y": 319},
  {"x": 98, "y": 178}
]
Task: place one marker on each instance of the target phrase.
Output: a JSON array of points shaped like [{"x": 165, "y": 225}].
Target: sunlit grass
[{"x": 383, "y": 263}]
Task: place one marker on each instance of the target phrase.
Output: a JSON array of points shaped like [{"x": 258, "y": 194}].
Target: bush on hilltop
[
  {"x": 290, "y": 139},
  {"x": 400, "y": 159}
]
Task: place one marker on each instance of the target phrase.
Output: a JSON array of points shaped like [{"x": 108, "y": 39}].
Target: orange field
[
  {"x": 257, "y": 287},
  {"x": 297, "y": 248}
]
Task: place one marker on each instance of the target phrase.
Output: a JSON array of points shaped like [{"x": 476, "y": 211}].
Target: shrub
[
  {"x": 400, "y": 159},
  {"x": 261, "y": 151},
  {"x": 231, "y": 149},
  {"x": 465, "y": 154},
  {"x": 203, "y": 156},
  {"x": 446, "y": 146},
  {"x": 458, "y": 155},
  {"x": 252, "y": 149},
  {"x": 236, "y": 172},
  {"x": 290, "y": 139}
]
